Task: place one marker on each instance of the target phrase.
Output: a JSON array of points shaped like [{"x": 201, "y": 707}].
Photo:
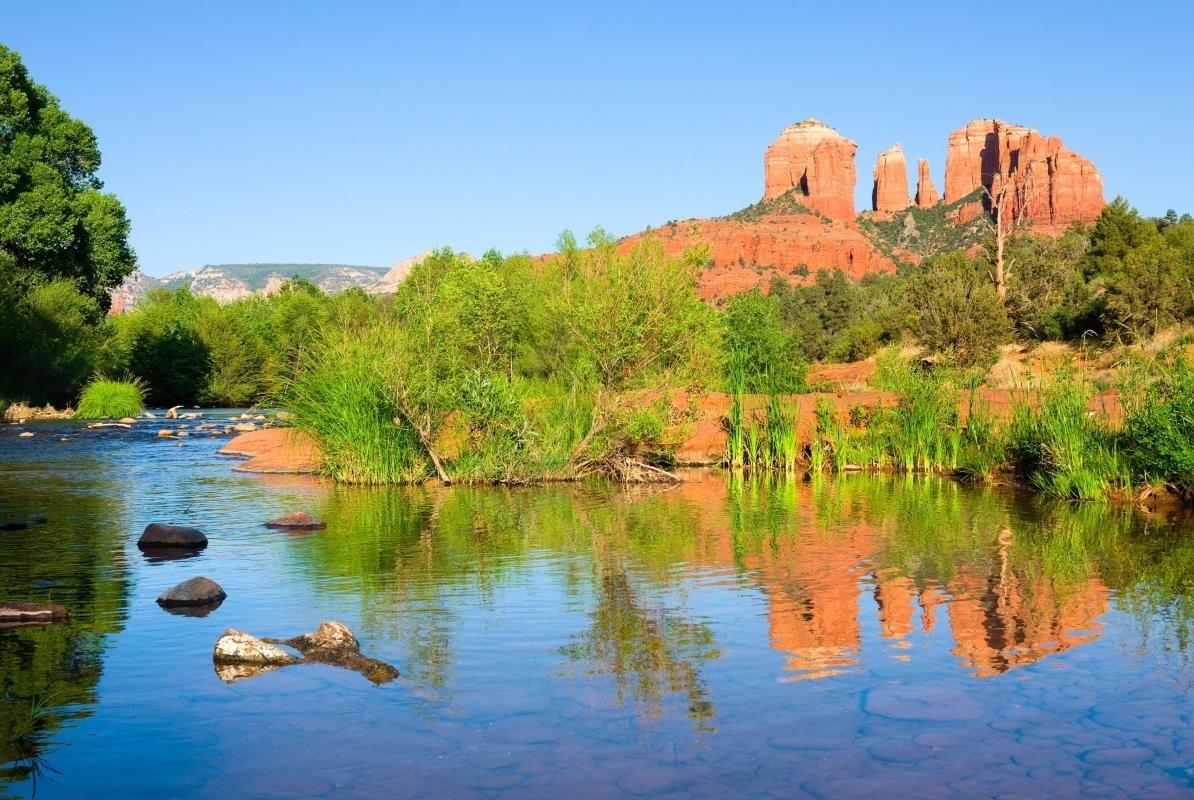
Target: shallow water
[{"x": 726, "y": 638}]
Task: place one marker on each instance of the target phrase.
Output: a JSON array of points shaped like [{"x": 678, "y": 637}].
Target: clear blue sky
[{"x": 366, "y": 132}]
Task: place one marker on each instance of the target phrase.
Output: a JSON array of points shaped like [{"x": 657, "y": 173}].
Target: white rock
[{"x": 238, "y": 647}]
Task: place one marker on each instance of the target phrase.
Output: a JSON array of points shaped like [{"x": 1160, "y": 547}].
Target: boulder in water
[
  {"x": 160, "y": 534},
  {"x": 198, "y": 591},
  {"x": 238, "y": 647}
]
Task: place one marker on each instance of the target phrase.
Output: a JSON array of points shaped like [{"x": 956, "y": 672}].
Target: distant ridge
[{"x": 228, "y": 282}]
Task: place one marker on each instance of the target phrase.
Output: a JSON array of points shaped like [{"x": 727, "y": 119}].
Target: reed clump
[{"x": 104, "y": 398}]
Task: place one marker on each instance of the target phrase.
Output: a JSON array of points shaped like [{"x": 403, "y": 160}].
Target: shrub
[
  {"x": 1159, "y": 428},
  {"x": 757, "y": 345},
  {"x": 953, "y": 308},
  {"x": 114, "y": 399}
]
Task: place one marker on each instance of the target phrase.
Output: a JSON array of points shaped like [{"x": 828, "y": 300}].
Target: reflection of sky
[{"x": 490, "y": 701}]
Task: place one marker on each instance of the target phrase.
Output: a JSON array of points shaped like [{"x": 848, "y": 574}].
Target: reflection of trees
[
  {"x": 634, "y": 636},
  {"x": 48, "y": 674},
  {"x": 408, "y": 551}
]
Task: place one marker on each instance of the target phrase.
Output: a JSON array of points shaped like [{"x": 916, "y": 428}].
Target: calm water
[{"x": 852, "y": 638}]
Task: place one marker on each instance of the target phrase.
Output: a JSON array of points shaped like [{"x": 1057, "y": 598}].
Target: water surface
[{"x": 841, "y": 638}]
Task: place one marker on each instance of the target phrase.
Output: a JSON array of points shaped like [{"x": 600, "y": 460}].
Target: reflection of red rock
[
  {"x": 817, "y": 160},
  {"x": 890, "y": 192},
  {"x": 1047, "y": 185},
  {"x": 1001, "y": 616},
  {"x": 926, "y": 192}
]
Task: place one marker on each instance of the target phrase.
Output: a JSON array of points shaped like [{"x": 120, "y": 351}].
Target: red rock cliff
[
  {"x": 1042, "y": 182},
  {"x": 926, "y": 192},
  {"x": 819, "y": 161},
  {"x": 890, "y": 192}
]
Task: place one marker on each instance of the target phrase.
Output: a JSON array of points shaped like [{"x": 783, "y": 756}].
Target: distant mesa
[{"x": 806, "y": 219}]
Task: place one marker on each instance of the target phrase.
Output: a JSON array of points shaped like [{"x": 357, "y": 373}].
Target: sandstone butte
[
  {"x": 890, "y": 191},
  {"x": 1045, "y": 184},
  {"x": 806, "y": 219}
]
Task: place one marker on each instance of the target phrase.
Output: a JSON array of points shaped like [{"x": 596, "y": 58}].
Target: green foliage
[
  {"x": 953, "y": 308},
  {"x": 758, "y": 349},
  {"x": 344, "y": 398},
  {"x": 114, "y": 399},
  {"x": 1158, "y": 431},
  {"x": 55, "y": 223},
  {"x": 925, "y": 232},
  {"x": 48, "y": 337},
  {"x": 1048, "y": 297},
  {"x": 1062, "y": 448},
  {"x": 787, "y": 203}
]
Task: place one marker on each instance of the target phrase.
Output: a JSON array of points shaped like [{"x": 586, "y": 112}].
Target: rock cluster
[{"x": 238, "y": 655}]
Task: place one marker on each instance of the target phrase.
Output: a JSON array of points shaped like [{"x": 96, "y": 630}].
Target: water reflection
[
  {"x": 49, "y": 673},
  {"x": 1009, "y": 580}
]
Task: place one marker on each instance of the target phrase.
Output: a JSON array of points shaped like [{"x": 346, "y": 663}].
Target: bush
[
  {"x": 342, "y": 398},
  {"x": 114, "y": 399},
  {"x": 1159, "y": 428},
  {"x": 953, "y": 308}
]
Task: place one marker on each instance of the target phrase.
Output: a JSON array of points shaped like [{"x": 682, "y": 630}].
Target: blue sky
[{"x": 363, "y": 133}]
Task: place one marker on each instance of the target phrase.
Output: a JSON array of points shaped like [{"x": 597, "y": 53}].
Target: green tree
[
  {"x": 55, "y": 222},
  {"x": 953, "y": 308}
]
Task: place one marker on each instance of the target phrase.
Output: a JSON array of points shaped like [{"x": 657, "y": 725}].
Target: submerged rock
[
  {"x": 331, "y": 643},
  {"x": 160, "y": 534},
  {"x": 297, "y": 521},
  {"x": 197, "y": 591},
  {"x": 14, "y": 525},
  {"x": 15, "y": 613}
]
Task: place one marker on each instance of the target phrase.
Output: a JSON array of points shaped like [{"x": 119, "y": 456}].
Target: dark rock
[
  {"x": 46, "y": 585},
  {"x": 13, "y": 525},
  {"x": 297, "y": 521},
  {"x": 14, "y": 613},
  {"x": 160, "y": 534},
  {"x": 333, "y": 643},
  {"x": 198, "y": 591}
]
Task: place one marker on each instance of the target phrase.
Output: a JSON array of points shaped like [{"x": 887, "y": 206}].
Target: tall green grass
[
  {"x": 1064, "y": 449},
  {"x": 113, "y": 399},
  {"x": 341, "y": 398}
]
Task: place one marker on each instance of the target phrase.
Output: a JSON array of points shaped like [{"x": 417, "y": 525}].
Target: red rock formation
[
  {"x": 817, "y": 160},
  {"x": 970, "y": 159},
  {"x": 890, "y": 192},
  {"x": 1043, "y": 183},
  {"x": 780, "y": 242},
  {"x": 926, "y": 192}
]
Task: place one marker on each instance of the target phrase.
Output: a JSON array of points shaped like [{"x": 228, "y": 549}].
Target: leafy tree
[
  {"x": 55, "y": 222},
  {"x": 953, "y": 308},
  {"x": 1048, "y": 296},
  {"x": 1147, "y": 290}
]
